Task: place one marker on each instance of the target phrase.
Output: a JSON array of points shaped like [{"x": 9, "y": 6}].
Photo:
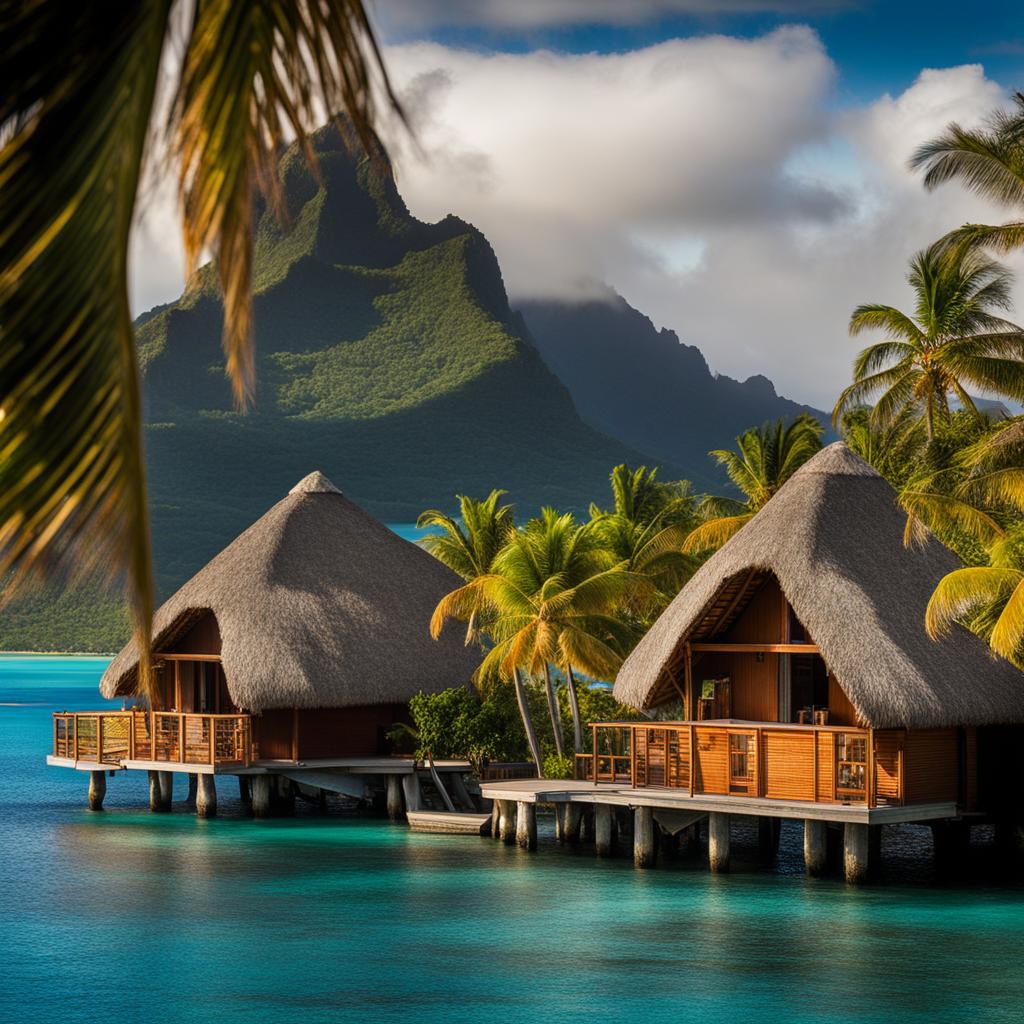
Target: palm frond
[
  {"x": 712, "y": 535},
  {"x": 963, "y": 591}
]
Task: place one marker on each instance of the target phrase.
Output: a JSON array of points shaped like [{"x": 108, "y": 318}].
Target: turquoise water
[{"x": 131, "y": 917}]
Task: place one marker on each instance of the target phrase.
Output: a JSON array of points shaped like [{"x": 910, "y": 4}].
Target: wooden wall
[
  {"x": 328, "y": 732},
  {"x": 762, "y": 621},
  {"x": 201, "y": 638},
  {"x": 789, "y": 765},
  {"x": 840, "y": 710},
  {"x": 931, "y": 766},
  {"x": 753, "y": 684}
]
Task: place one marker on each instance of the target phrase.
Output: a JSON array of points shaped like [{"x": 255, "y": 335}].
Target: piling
[
  {"x": 506, "y": 822},
  {"x": 560, "y": 821},
  {"x": 261, "y": 796},
  {"x": 193, "y": 788},
  {"x": 644, "y": 850},
  {"x": 856, "y": 845},
  {"x": 526, "y": 825},
  {"x": 815, "y": 847},
  {"x": 718, "y": 841},
  {"x": 97, "y": 790},
  {"x": 156, "y": 798},
  {"x": 495, "y": 820},
  {"x": 603, "y": 830},
  {"x": 411, "y": 789},
  {"x": 571, "y": 826},
  {"x": 167, "y": 788},
  {"x": 395, "y": 810},
  {"x": 206, "y": 796}
]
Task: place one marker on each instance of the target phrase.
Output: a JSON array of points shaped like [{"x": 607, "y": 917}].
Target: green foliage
[
  {"x": 458, "y": 723},
  {"x": 559, "y": 766}
]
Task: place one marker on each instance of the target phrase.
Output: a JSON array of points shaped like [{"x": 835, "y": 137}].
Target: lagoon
[{"x": 124, "y": 915}]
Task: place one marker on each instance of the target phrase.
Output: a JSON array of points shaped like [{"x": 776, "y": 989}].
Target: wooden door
[{"x": 743, "y": 763}]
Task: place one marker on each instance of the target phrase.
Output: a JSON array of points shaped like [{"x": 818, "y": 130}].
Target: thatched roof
[
  {"x": 318, "y": 605},
  {"x": 833, "y": 537}
]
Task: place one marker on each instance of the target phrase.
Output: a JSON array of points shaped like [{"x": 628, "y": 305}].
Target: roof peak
[
  {"x": 836, "y": 459},
  {"x": 314, "y": 483}
]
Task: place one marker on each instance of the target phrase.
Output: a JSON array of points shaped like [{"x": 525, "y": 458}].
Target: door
[{"x": 743, "y": 763}]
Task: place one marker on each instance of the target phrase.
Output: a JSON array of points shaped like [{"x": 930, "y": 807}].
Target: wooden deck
[{"x": 580, "y": 792}]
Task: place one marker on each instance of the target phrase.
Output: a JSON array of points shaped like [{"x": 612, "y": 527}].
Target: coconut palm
[
  {"x": 80, "y": 109},
  {"x": 646, "y": 530},
  {"x": 988, "y": 599},
  {"x": 468, "y": 545},
  {"x": 894, "y": 449},
  {"x": 988, "y": 161},
  {"x": 953, "y": 340},
  {"x": 764, "y": 459},
  {"x": 551, "y": 600}
]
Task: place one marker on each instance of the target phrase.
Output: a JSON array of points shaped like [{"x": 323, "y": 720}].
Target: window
[
  {"x": 851, "y": 766},
  {"x": 742, "y": 761}
]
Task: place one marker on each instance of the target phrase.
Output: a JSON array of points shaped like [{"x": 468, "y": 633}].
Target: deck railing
[
  {"x": 829, "y": 764},
  {"x": 171, "y": 737}
]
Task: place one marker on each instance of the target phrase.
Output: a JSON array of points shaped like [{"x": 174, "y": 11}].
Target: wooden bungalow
[
  {"x": 792, "y": 677},
  {"x": 296, "y": 648}
]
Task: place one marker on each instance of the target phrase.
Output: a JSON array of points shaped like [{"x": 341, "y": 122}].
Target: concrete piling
[
  {"x": 411, "y": 791},
  {"x": 603, "y": 830},
  {"x": 167, "y": 788},
  {"x": 97, "y": 790},
  {"x": 526, "y": 825},
  {"x": 206, "y": 796},
  {"x": 156, "y": 797},
  {"x": 856, "y": 845},
  {"x": 815, "y": 847},
  {"x": 644, "y": 849},
  {"x": 261, "y": 796},
  {"x": 718, "y": 841},
  {"x": 394, "y": 798},
  {"x": 507, "y": 822},
  {"x": 571, "y": 826}
]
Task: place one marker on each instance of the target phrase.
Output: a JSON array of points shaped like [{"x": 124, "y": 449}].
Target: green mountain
[
  {"x": 387, "y": 356},
  {"x": 646, "y": 387}
]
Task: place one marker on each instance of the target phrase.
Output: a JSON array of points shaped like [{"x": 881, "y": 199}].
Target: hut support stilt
[
  {"x": 644, "y": 850},
  {"x": 206, "y": 797},
  {"x": 718, "y": 841},
  {"x": 411, "y": 789},
  {"x": 815, "y": 847},
  {"x": 526, "y": 825},
  {"x": 97, "y": 790},
  {"x": 395, "y": 811},
  {"x": 603, "y": 830},
  {"x": 495, "y": 820},
  {"x": 560, "y": 821},
  {"x": 507, "y": 821},
  {"x": 244, "y": 790},
  {"x": 261, "y": 796},
  {"x": 193, "y": 789},
  {"x": 167, "y": 788},
  {"x": 156, "y": 797},
  {"x": 571, "y": 826},
  {"x": 856, "y": 844}
]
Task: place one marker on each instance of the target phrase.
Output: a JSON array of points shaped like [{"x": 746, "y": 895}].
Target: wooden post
[
  {"x": 206, "y": 796},
  {"x": 156, "y": 800},
  {"x": 506, "y": 822},
  {"x": 587, "y": 824},
  {"x": 526, "y": 825},
  {"x": 718, "y": 841},
  {"x": 560, "y": 821},
  {"x": 97, "y": 790},
  {"x": 411, "y": 789},
  {"x": 495, "y": 820},
  {"x": 644, "y": 850},
  {"x": 193, "y": 790},
  {"x": 167, "y": 788},
  {"x": 603, "y": 830},
  {"x": 815, "y": 847},
  {"x": 261, "y": 796},
  {"x": 394, "y": 798},
  {"x": 855, "y": 852}
]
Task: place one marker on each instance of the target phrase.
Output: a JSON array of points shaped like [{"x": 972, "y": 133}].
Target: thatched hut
[
  {"x": 314, "y": 622},
  {"x": 798, "y": 653}
]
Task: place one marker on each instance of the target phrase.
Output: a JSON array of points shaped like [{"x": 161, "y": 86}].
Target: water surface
[{"x": 127, "y": 916}]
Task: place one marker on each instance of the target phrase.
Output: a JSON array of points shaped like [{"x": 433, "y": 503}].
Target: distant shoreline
[{"x": 57, "y": 654}]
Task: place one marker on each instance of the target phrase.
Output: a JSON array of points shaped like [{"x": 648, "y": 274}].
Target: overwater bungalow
[
  {"x": 792, "y": 677},
  {"x": 291, "y": 655}
]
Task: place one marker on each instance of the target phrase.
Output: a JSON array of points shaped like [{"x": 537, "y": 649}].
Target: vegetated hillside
[
  {"x": 645, "y": 387},
  {"x": 387, "y": 356}
]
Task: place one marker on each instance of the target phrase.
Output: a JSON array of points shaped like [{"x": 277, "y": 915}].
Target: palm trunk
[
  {"x": 574, "y": 707},
  {"x": 524, "y": 711},
  {"x": 556, "y": 717}
]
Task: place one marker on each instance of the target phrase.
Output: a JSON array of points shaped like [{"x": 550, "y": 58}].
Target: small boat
[{"x": 455, "y": 823}]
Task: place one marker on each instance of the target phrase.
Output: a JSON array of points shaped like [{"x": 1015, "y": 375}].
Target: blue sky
[{"x": 878, "y": 45}]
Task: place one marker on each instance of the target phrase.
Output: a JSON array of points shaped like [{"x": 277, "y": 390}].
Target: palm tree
[
  {"x": 646, "y": 530},
  {"x": 987, "y": 599},
  {"x": 764, "y": 459},
  {"x": 80, "y": 108},
  {"x": 989, "y": 161},
  {"x": 552, "y": 599},
  {"x": 468, "y": 545},
  {"x": 894, "y": 449},
  {"x": 953, "y": 340}
]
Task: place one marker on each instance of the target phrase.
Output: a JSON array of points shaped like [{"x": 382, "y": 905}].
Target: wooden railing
[
  {"x": 171, "y": 737},
  {"x": 830, "y": 764}
]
